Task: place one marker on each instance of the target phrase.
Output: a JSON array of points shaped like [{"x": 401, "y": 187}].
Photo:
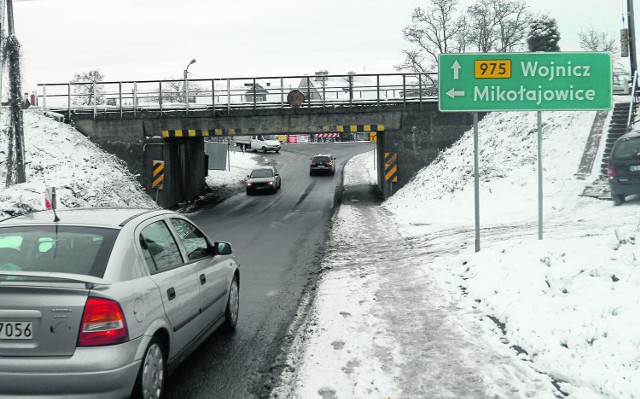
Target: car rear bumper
[
  {"x": 628, "y": 187},
  {"x": 321, "y": 170},
  {"x": 98, "y": 372}
]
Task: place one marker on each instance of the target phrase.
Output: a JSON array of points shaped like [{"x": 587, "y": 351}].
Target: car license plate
[
  {"x": 16, "y": 330},
  {"x": 634, "y": 168}
]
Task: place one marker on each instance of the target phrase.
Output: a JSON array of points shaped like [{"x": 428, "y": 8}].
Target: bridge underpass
[{"x": 407, "y": 123}]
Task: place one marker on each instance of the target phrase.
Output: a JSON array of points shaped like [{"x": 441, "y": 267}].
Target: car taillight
[
  {"x": 313, "y": 164},
  {"x": 103, "y": 323},
  {"x": 612, "y": 171},
  {"x": 329, "y": 163}
]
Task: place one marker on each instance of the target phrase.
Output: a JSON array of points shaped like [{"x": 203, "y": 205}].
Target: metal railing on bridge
[{"x": 225, "y": 95}]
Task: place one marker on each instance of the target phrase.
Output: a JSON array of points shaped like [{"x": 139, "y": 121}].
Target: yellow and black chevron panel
[
  {"x": 158, "y": 175},
  {"x": 271, "y": 130},
  {"x": 391, "y": 167}
]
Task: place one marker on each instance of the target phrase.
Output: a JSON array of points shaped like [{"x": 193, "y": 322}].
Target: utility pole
[
  {"x": 15, "y": 99},
  {"x": 632, "y": 38}
]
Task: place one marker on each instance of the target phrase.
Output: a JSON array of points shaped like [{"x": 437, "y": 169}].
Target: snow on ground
[
  {"x": 405, "y": 307},
  {"x": 427, "y": 317}
]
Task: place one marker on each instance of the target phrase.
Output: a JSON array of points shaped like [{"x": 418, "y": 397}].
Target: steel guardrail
[{"x": 220, "y": 95}]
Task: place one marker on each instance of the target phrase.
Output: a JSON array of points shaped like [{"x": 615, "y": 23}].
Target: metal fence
[{"x": 220, "y": 95}]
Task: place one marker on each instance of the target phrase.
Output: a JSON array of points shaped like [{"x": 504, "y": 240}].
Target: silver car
[
  {"x": 265, "y": 178},
  {"x": 105, "y": 303}
]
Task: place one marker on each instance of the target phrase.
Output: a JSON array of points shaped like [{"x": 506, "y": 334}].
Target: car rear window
[
  {"x": 61, "y": 249},
  {"x": 628, "y": 149},
  {"x": 321, "y": 159}
]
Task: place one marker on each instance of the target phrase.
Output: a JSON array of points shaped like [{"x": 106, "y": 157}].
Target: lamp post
[{"x": 186, "y": 85}]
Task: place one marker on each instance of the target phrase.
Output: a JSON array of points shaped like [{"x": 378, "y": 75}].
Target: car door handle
[
  {"x": 171, "y": 293},
  {"x": 203, "y": 279}
]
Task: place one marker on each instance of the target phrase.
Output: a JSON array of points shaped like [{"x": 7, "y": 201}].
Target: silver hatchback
[{"x": 105, "y": 303}]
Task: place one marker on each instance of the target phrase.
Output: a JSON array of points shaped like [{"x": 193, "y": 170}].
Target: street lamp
[
  {"x": 186, "y": 85},
  {"x": 187, "y": 68}
]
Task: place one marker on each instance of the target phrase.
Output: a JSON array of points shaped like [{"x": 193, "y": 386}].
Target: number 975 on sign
[{"x": 492, "y": 69}]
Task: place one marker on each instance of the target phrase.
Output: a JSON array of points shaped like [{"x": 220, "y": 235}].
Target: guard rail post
[{"x": 120, "y": 98}]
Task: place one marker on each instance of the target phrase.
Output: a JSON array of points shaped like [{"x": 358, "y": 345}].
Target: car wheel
[
  {"x": 233, "y": 305},
  {"x": 264, "y": 150},
  {"x": 618, "y": 199},
  {"x": 153, "y": 372},
  {"x": 249, "y": 192},
  {"x": 277, "y": 151}
]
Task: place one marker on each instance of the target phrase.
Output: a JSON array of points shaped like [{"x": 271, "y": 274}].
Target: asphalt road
[{"x": 278, "y": 240}]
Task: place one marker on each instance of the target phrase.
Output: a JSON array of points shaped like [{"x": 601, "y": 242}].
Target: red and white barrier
[{"x": 327, "y": 135}]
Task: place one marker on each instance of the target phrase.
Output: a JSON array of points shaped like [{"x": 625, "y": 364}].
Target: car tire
[
  {"x": 264, "y": 150},
  {"x": 277, "y": 151},
  {"x": 618, "y": 199},
  {"x": 153, "y": 372},
  {"x": 249, "y": 192},
  {"x": 233, "y": 305}
]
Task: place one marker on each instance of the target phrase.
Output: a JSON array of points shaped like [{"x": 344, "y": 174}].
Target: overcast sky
[{"x": 156, "y": 39}]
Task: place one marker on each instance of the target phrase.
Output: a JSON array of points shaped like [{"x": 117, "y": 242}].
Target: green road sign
[{"x": 524, "y": 82}]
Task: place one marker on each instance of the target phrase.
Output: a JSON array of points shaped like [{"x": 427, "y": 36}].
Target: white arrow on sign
[
  {"x": 456, "y": 67},
  {"x": 453, "y": 93}
]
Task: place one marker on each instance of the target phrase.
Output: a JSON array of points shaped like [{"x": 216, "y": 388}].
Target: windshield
[
  {"x": 627, "y": 149},
  {"x": 62, "y": 249},
  {"x": 262, "y": 173},
  {"x": 268, "y": 137}
]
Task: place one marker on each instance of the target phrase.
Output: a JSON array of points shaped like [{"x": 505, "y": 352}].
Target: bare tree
[
  {"x": 512, "y": 20},
  {"x": 432, "y": 32},
  {"x": 88, "y": 91},
  {"x": 591, "y": 40},
  {"x": 482, "y": 26},
  {"x": 173, "y": 90},
  {"x": 488, "y": 25},
  {"x": 498, "y": 25}
]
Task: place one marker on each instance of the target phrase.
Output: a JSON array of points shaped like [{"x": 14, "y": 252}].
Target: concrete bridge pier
[{"x": 183, "y": 173}]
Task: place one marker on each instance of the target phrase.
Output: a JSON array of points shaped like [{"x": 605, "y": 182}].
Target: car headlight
[
  {"x": 271, "y": 183},
  {"x": 248, "y": 184}
]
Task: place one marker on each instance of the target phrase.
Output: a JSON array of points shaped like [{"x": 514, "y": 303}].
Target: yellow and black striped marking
[
  {"x": 272, "y": 130},
  {"x": 158, "y": 175},
  {"x": 391, "y": 167}
]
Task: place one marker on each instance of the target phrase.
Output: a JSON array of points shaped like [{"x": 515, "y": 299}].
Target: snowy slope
[{"x": 57, "y": 155}]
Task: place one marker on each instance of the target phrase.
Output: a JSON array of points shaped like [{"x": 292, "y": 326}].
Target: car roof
[
  {"x": 322, "y": 155},
  {"x": 264, "y": 167},
  {"x": 102, "y": 217}
]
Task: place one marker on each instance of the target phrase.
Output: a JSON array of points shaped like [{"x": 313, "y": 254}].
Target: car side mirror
[{"x": 221, "y": 248}]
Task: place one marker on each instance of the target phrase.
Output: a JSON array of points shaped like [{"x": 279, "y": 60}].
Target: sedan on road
[
  {"x": 322, "y": 163},
  {"x": 105, "y": 303},
  {"x": 264, "y": 179}
]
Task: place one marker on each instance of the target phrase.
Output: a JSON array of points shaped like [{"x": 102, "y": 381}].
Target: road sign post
[{"x": 522, "y": 82}]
